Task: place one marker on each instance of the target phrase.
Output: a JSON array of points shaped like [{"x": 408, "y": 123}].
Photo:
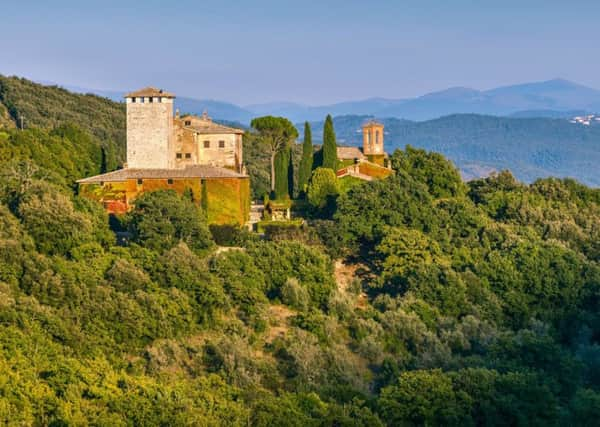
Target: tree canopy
[{"x": 275, "y": 133}]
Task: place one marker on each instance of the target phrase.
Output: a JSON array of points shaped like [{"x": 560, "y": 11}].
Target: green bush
[{"x": 161, "y": 219}]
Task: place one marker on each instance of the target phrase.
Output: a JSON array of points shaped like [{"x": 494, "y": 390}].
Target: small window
[
  {"x": 101, "y": 183},
  {"x": 133, "y": 99},
  {"x": 159, "y": 99},
  {"x": 178, "y": 155},
  {"x": 151, "y": 99},
  {"x": 141, "y": 99},
  {"x": 188, "y": 155},
  {"x": 170, "y": 181},
  {"x": 140, "y": 181},
  {"x": 188, "y": 122},
  {"x": 221, "y": 144},
  {"x": 206, "y": 144}
]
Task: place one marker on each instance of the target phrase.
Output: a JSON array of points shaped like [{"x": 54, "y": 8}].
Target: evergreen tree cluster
[{"x": 290, "y": 177}]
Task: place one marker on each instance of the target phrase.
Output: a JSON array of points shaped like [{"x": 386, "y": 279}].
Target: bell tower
[{"x": 373, "y": 138}]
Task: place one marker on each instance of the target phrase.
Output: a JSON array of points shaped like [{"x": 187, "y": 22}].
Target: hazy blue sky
[{"x": 306, "y": 51}]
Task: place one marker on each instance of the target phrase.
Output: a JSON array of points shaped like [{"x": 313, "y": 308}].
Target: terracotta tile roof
[
  {"x": 372, "y": 122},
  {"x": 349, "y": 153},
  {"x": 194, "y": 171},
  {"x": 150, "y": 92},
  {"x": 206, "y": 127}
]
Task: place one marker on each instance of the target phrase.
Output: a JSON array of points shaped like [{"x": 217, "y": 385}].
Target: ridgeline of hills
[
  {"x": 530, "y": 147},
  {"x": 552, "y": 98}
]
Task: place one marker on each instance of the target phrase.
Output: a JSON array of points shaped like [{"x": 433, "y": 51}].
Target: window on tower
[
  {"x": 151, "y": 99},
  {"x": 178, "y": 155},
  {"x": 188, "y": 122},
  {"x": 221, "y": 144},
  {"x": 188, "y": 155},
  {"x": 206, "y": 144},
  {"x": 133, "y": 99}
]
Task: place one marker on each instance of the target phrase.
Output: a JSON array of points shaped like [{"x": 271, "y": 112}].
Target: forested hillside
[
  {"x": 49, "y": 107},
  {"x": 531, "y": 148},
  {"x": 418, "y": 300},
  {"x": 414, "y": 300}
]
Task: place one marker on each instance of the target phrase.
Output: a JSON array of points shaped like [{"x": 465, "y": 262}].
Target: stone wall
[
  {"x": 227, "y": 156},
  {"x": 150, "y": 132}
]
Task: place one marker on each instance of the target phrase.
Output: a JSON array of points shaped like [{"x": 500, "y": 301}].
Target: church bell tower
[{"x": 373, "y": 138}]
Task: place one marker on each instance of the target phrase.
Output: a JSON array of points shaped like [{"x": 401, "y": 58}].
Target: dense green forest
[
  {"x": 530, "y": 147},
  {"x": 34, "y": 106},
  {"x": 414, "y": 300}
]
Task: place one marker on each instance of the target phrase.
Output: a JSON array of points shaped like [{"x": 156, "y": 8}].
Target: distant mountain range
[
  {"x": 530, "y": 147},
  {"x": 556, "y": 98},
  {"x": 533, "y": 138}
]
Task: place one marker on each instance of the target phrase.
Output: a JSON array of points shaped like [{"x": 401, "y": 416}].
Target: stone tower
[
  {"x": 149, "y": 129},
  {"x": 373, "y": 138}
]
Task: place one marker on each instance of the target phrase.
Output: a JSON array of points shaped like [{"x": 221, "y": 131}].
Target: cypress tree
[
  {"x": 306, "y": 163},
  {"x": 329, "y": 145},
  {"x": 291, "y": 173},
  {"x": 282, "y": 161},
  {"x": 204, "y": 197}
]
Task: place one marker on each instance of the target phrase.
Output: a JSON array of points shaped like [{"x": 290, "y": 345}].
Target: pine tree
[
  {"x": 329, "y": 145},
  {"x": 306, "y": 163},
  {"x": 275, "y": 133}
]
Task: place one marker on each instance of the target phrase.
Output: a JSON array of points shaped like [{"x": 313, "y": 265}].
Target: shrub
[
  {"x": 295, "y": 295},
  {"x": 323, "y": 189},
  {"x": 161, "y": 219}
]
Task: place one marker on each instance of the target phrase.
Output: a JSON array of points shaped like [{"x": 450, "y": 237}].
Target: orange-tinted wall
[{"x": 228, "y": 199}]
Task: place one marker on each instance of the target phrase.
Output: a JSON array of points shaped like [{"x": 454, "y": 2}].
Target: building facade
[
  {"x": 189, "y": 154},
  {"x": 369, "y": 161},
  {"x": 200, "y": 141},
  {"x": 373, "y": 138}
]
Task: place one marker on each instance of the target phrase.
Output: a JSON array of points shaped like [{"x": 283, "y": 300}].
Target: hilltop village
[{"x": 195, "y": 155}]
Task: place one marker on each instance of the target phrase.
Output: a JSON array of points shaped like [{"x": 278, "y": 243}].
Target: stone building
[
  {"x": 199, "y": 140},
  {"x": 188, "y": 154},
  {"x": 369, "y": 161}
]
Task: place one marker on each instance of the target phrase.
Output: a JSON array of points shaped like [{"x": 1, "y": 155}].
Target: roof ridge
[
  {"x": 190, "y": 171},
  {"x": 149, "y": 91}
]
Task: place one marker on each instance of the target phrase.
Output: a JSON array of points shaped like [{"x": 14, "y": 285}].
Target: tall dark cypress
[
  {"x": 306, "y": 163},
  {"x": 282, "y": 162},
  {"x": 291, "y": 171},
  {"x": 329, "y": 145}
]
